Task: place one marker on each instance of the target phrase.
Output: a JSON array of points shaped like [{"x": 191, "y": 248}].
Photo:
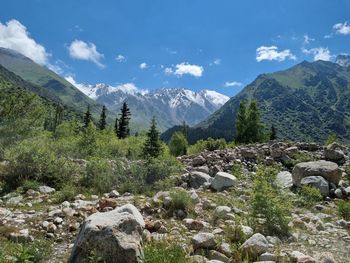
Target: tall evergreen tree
[
  {"x": 152, "y": 147},
  {"x": 273, "y": 133},
  {"x": 184, "y": 129},
  {"x": 123, "y": 128},
  {"x": 102, "y": 123},
  {"x": 87, "y": 117},
  {"x": 241, "y": 122},
  {"x": 116, "y": 126},
  {"x": 254, "y": 127}
]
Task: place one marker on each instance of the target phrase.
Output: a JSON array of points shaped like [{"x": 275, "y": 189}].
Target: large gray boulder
[
  {"x": 114, "y": 236},
  {"x": 223, "y": 181},
  {"x": 203, "y": 240},
  {"x": 284, "y": 179},
  {"x": 328, "y": 170},
  {"x": 334, "y": 153},
  {"x": 255, "y": 245},
  {"x": 318, "y": 182},
  {"x": 197, "y": 179}
]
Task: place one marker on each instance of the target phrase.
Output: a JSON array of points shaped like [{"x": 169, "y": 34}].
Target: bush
[
  {"x": 180, "y": 199},
  {"x": 269, "y": 209},
  {"x": 67, "y": 193},
  {"x": 210, "y": 144},
  {"x": 99, "y": 176},
  {"x": 35, "y": 160},
  {"x": 161, "y": 168},
  {"x": 343, "y": 208},
  {"x": 178, "y": 144},
  {"x": 309, "y": 196},
  {"x": 333, "y": 137},
  {"x": 162, "y": 252}
]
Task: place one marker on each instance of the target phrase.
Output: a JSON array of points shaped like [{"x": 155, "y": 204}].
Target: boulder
[
  {"x": 203, "y": 240},
  {"x": 113, "y": 236},
  {"x": 222, "y": 181},
  {"x": 328, "y": 170},
  {"x": 318, "y": 182},
  {"x": 46, "y": 189},
  {"x": 284, "y": 179},
  {"x": 198, "y": 161},
  {"x": 197, "y": 179},
  {"x": 255, "y": 245},
  {"x": 334, "y": 153}
]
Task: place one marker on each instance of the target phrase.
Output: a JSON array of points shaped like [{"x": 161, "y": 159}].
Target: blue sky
[{"x": 197, "y": 44}]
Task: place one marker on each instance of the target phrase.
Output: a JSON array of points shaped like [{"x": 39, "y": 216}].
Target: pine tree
[
  {"x": 184, "y": 129},
  {"x": 102, "y": 123},
  {"x": 116, "y": 126},
  {"x": 241, "y": 122},
  {"x": 123, "y": 128},
  {"x": 254, "y": 127},
  {"x": 273, "y": 134},
  {"x": 152, "y": 147},
  {"x": 87, "y": 117}
]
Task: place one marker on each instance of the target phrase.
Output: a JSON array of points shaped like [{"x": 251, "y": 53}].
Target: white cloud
[
  {"x": 14, "y": 35},
  {"x": 81, "y": 50},
  {"x": 342, "y": 28},
  {"x": 168, "y": 71},
  {"x": 143, "y": 65},
  {"x": 307, "y": 39},
  {"x": 190, "y": 69},
  {"x": 319, "y": 53},
  {"x": 272, "y": 53},
  {"x": 120, "y": 58},
  {"x": 217, "y": 61},
  {"x": 232, "y": 84}
]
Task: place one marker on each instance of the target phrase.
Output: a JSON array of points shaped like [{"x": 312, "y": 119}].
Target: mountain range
[
  {"x": 170, "y": 106},
  {"x": 306, "y": 102}
]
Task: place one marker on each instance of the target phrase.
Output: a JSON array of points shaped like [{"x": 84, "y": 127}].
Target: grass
[
  {"x": 343, "y": 208},
  {"x": 162, "y": 252}
]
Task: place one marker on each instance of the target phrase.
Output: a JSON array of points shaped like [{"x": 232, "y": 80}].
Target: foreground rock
[
  {"x": 255, "y": 245},
  {"x": 328, "y": 170},
  {"x": 223, "y": 181},
  {"x": 114, "y": 236},
  {"x": 197, "y": 179},
  {"x": 318, "y": 182}
]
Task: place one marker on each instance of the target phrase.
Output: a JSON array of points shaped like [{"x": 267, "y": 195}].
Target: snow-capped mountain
[{"x": 171, "y": 106}]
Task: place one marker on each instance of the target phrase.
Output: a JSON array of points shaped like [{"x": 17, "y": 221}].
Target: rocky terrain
[{"x": 207, "y": 212}]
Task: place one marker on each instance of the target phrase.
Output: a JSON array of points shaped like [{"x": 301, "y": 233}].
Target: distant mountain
[
  {"x": 50, "y": 84},
  {"x": 306, "y": 102},
  {"x": 169, "y": 106},
  {"x": 343, "y": 60}
]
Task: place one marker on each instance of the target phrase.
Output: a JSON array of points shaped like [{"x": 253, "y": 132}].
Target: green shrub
[
  {"x": 178, "y": 144},
  {"x": 180, "y": 199},
  {"x": 343, "y": 208},
  {"x": 269, "y": 209},
  {"x": 309, "y": 196},
  {"x": 333, "y": 137},
  {"x": 67, "y": 193},
  {"x": 161, "y": 168},
  {"x": 34, "y": 159},
  {"x": 210, "y": 144},
  {"x": 162, "y": 252},
  {"x": 99, "y": 176}
]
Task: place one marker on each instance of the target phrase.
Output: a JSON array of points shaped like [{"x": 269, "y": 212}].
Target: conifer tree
[
  {"x": 184, "y": 129},
  {"x": 241, "y": 122},
  {"x": 254, "y": 127},
  {"x": 87, "y": 117},
  {"x": 116, "y": 126},
  {"x": 102, "y": 123},
  {"x": 123, "y": 128},
  {"x": 152, "y": 147},
  {"x": 273, "y": 134}
]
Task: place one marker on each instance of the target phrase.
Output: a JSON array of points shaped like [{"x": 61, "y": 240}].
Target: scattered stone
[
  {"x": 223, "y": 181},
  {"x": 21, "y": 237},
  {"x": 115, "y": 236},
  {"x": 203, "y": 240},
  {"x": 318, "y": 182},
  {"x": 197, "y": 179},
  {"x": 255, "y": 245},
  {"x": 46, "y": 189}
]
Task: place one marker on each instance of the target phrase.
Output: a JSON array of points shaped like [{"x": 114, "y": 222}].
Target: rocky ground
[{"x": 218, "y": 185}]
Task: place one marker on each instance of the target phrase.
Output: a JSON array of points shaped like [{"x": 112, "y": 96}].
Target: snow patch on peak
[{"x": 215, "y": 97}]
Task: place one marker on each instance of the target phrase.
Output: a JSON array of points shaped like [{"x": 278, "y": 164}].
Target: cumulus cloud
[
  {"x": 143, "y": 65},
  {"x": 320, "y": 53},
  {"x": 190, "y": 69},
  {"x": 272, "y": 53},
  {"x": 342, "y": 28},
  {"x": 120, "y": 58},
  {"x": 81, "y": 50},
  {"x": 232, "y": 84},
  {"x": 308, "y": 39},
  {"x": 14, "y": 35}
]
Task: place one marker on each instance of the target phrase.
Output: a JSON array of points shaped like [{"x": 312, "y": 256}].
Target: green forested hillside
[
  {"x": 51, "y": 84},
  {"x": 306, "y": 102}
]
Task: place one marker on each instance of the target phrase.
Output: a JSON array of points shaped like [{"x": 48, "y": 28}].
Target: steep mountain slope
[
  {"x": 51, "y": 84},
  {"x": 305, "y": 102},
  {"x": 169, "y": 106}
]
